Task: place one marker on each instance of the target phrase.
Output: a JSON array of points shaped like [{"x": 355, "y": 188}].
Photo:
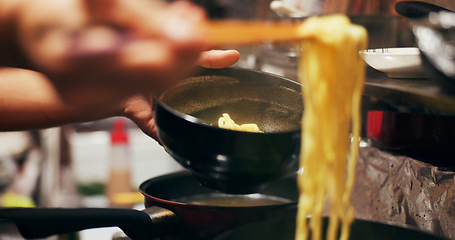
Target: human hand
[
  {"x": 91, "y": 55},
  {"x": 111, "y": 46}
]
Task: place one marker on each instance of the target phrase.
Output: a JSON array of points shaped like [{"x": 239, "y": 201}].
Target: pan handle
[{"x": 43, "y": 222}]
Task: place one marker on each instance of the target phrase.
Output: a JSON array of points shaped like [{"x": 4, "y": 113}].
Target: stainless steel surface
[
  {"x": 120, "y": 236},
  {"x": 435, "y": 37}
]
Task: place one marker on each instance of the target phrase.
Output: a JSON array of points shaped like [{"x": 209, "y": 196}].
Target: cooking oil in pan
[{"x": 227, "y": 200}]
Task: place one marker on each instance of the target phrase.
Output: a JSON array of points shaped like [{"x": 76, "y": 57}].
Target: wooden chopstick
[{"x": 222, "y": 33}]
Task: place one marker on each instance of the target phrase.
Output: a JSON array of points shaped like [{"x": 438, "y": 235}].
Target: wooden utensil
[{"x": 220, "y": 33}]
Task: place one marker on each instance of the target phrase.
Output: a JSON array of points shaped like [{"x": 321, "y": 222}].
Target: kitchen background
[{"x": 72, "y": 166}]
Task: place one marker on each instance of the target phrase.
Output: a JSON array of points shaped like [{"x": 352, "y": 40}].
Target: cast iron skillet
[
  {"x": 284, "y": 229},
  {"x": 165, "y": 215},
  {"x": 232, "y": 161}
]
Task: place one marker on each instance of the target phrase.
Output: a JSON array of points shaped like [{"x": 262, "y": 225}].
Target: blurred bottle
[{"x": 120, "y": 169}]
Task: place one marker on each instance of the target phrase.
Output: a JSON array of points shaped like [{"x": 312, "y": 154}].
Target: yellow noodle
[
  {"x": 226, "y": 122},
  {"x": 333, "y": 75}
]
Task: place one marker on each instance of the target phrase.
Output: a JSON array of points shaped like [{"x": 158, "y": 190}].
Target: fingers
[
  {"x": 176, "y": 21},
  {"x": 148, "y": 44},
  {"x": 96, "y": 40},
  {"x": 125, "y": 47},
  {"x": 139, "y": 110},
  {"x": 218, "y": 58},
  {"x": 124, "y": 14},
  {"x": 45, "y": 27},
  {"x": 181, "y": 21}
]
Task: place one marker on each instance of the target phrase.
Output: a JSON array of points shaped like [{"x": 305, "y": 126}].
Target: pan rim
[
  {"x": 200, "y": 123},
  {"x": 191, "y": 119},
  {"x": 161, "y": 200}
]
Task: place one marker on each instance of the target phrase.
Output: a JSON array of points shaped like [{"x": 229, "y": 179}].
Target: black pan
[
  {"x": 417, "y": 9},
  {"x": 434, "y": 31},
  {"x": 165, "y": 214},
  {"x": 232, "y": 161},
  {"x": 435, "y": 37},
  {"x": 284, "y": 229}
]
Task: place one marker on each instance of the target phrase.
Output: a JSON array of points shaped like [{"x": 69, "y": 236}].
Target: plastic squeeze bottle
[{"x": 120, "y": 164}]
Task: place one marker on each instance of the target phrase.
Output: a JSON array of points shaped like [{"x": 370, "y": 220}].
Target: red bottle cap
[{"x": 118, "y": 134}]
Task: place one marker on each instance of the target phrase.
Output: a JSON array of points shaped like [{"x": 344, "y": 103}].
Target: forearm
[
  {"x": 10, "y": 52},
  {"x": 28, "y": 100}
]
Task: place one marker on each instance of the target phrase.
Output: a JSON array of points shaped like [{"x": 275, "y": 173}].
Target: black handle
[
  {"x": 416, "y": 10},
  {"x": 44, "y": 222}
]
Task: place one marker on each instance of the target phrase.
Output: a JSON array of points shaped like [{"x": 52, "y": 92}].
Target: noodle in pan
[{"x": 225, "y": 121}]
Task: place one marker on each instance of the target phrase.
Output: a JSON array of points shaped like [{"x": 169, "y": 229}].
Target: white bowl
[{"x": 396, "y": 62}]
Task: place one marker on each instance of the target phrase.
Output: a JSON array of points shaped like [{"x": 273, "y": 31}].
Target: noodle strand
[{"x": 332, "y": 73}]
